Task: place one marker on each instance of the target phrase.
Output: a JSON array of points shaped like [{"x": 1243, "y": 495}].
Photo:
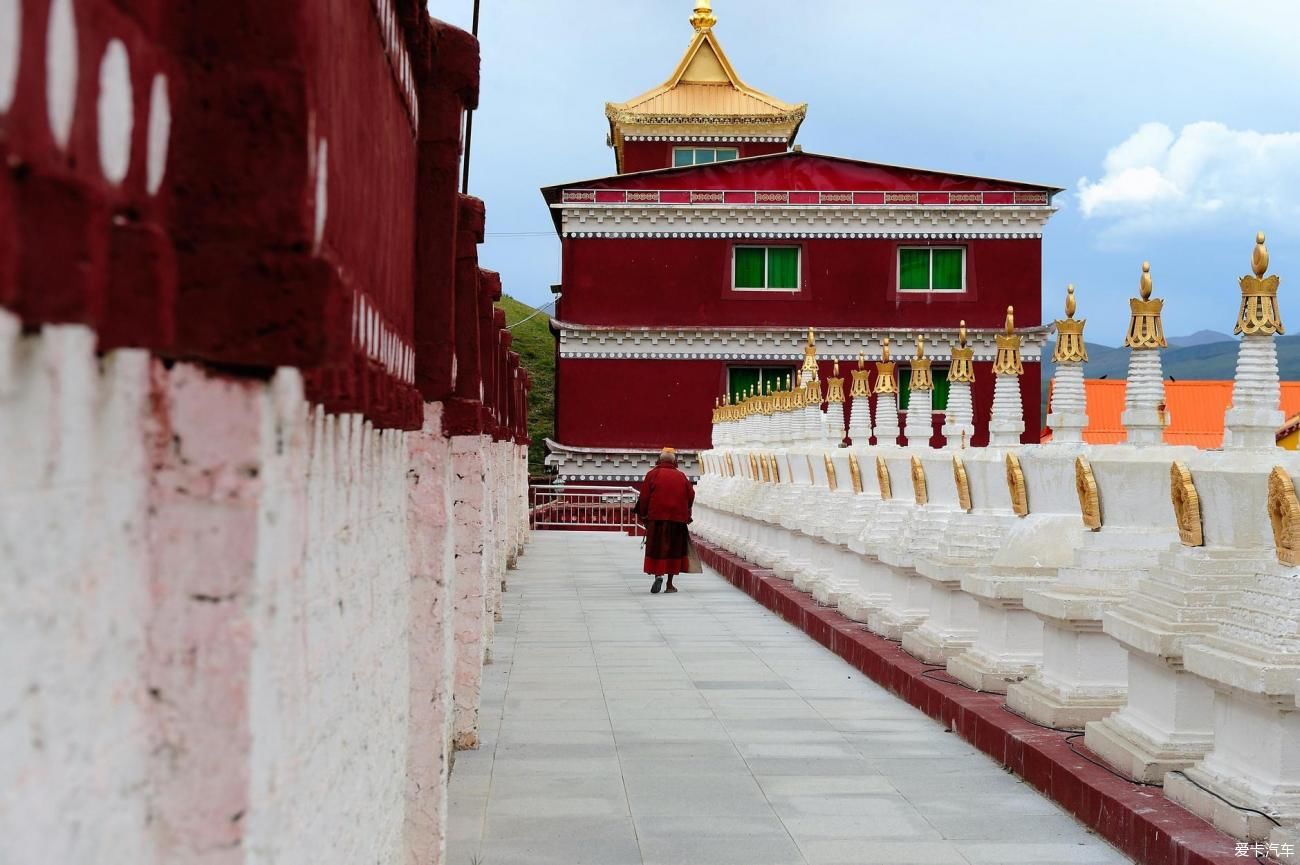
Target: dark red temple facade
[{"x": 697, "y": 269}]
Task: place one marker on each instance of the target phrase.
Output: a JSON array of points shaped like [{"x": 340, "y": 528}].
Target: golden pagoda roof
[{"x": 703, "y": 96}]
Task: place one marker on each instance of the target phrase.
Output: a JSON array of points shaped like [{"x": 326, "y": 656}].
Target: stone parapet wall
[{"x": 228, "y": 613}]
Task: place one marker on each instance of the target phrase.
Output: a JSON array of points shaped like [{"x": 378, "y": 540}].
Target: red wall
[
  {"x": 649, "y": 155},
  {"x": 657, "y": 282},
  {"x": 632, "y": 403}
]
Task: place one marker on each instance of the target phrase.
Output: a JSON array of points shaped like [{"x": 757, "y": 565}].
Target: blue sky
[{"x": 1173, "y": 124}]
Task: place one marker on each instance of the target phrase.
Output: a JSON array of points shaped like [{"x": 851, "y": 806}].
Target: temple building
[{"x": 695, "y": 270}]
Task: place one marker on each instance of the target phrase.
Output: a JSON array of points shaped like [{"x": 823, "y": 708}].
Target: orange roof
[{"x": 1195, "y": 408}]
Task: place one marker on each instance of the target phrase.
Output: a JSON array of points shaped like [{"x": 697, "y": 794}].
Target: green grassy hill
[{"x": 536, "y": 346}]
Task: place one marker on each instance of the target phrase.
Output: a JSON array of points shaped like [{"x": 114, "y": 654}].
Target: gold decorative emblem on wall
[
  {"x": 963, "y": 484},
  {"x": 882, "y": 477},
  {"x": 830, "y": 473},
  {"x": 1284, "y": 514},
  {"x": 1016, "y": 486},
  {"x": 1187, "y": 505},
  {"x": 855, "y": 473},
  {"x": 918, "y": 481},
  {"x": 1086, "y": 486}
]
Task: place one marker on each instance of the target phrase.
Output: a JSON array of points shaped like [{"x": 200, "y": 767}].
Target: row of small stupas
[
  {"x": 1145, "y": 593},
  {"x": 698, "y": 265}
]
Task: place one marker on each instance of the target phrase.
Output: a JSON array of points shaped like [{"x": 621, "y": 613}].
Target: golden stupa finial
[
  {"x": 922, "y": 377},
  {"x": 860, "y": 377},
  {"x": 1069, "y": 334},
  {"x": 885, "y": 381},
  {"x": 1259, "y": 312},
  {"x": 703, "y": 19},
  {"x": 1145, "y": 329},
  {"x": 809, "y": 371},
  {"x": 835, "y": 386},
  {"x": 1008, "y": 361},
  {"x": 962, "y": 367}
]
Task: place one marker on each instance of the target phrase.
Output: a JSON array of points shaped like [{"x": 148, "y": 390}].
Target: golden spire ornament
[
  {"x": 963, "y": 358},
  {"x": 835, "y": 387},
  {"x": 922, "y": 377},
  {"x": 809, "y": 371},
  {"x": 1144, "y": 327},
  {"x": 885, "y": 381},
  {"x": 703, "y": 19},
  {"x": 1008, "y": 360},
  {"x": 1259, "y": 312},
  {"x": 1070, "y": 347},
  {"x": 861, "y": 376}
]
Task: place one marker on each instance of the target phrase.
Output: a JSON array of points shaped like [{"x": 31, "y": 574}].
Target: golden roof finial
[
  {"x": 1008, "y": 361},
  {"x": 1259, "y": 312},
  {"x": 703, "y": 19},
  {"x": 920, "y": 345},
  {"x": 962, "y": 367},
  {"x": 862, "y": 360},
  {"x": 884, "y": 351},
  {"x": 1069, "y": 334},
  {"x": 1145, "y": 329},
  {"x": 809, "y": 371},
  {"x": 835, "y": 370}
]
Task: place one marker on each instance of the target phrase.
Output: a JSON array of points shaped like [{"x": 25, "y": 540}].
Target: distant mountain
[{"x": 1201, "y": 337}]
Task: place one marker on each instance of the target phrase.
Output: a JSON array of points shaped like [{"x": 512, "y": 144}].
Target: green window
[
  {"x": 940, "y": 395},
  {"x": 702, "y": 155},
  {"x": 741, "y": 378},
  {"x": 932, "y": 269},
  {"x": 766, "y": 268}
]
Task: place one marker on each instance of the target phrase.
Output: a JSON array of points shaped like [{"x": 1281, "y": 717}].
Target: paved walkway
[{"x": 699, "y": 729}]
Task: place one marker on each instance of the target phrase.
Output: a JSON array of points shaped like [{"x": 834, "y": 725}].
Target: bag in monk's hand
[{"x": 693, "y": 565}]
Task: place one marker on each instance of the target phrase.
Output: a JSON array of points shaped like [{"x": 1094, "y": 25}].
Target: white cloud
[{"x": 1158, "y": 181}]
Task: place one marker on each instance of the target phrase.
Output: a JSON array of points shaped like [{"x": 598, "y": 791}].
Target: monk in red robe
[{"x": 665, "y": 508}]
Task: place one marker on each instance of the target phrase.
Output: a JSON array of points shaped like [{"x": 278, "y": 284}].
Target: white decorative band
[
  {"x": 842, "y": 344},
  {"x": 399, "y": 60},
  {"x": 815, "y": 221},
  {"x": 377, "y": 340}
]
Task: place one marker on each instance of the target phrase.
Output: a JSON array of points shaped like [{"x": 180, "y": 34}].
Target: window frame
[
  {"x": 798, "y": 269},
  {"x": 692, "y": 149},
  {"x": 792, "y": 371},
  {"x": 941, "y": 292}
]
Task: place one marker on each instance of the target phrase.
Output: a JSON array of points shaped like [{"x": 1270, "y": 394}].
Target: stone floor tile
[{"x": 716, "y": 841}]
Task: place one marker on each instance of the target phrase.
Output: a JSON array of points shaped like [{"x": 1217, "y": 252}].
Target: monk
[{"x": 665, "y": 508}]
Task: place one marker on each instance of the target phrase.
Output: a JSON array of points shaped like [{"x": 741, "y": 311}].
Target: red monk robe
[{"x": 665, "y": 507}]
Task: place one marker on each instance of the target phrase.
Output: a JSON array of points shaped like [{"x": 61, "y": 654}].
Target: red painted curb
[{"x": 1138, "y": 820}]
